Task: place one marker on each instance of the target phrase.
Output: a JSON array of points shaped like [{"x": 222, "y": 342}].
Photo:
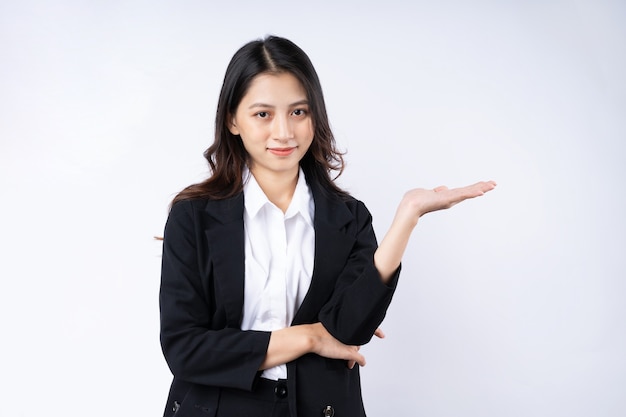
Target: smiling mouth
[{"x": 282, "y": 151}]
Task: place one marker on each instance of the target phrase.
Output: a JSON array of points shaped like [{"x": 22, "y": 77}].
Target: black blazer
[{"x": 201, "y": 304}]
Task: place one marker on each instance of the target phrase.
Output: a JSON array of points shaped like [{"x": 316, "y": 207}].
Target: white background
[{"x": 509, "y": 305}]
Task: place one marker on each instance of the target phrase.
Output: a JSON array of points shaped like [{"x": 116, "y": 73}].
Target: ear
[{"x": 232, "y": 126}]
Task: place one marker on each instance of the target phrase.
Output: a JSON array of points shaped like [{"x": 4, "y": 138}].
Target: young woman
[{"x": 271, "y": 276}]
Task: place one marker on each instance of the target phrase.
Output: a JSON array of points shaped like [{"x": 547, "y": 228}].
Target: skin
[
  {"x": 275, "y": 126},
  {"x": 276, "y": 129}
]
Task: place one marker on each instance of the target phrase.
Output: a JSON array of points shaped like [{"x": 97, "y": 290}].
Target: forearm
[
  {"x": 287, "y": 345},
  {"x": 389, "y": 254},
  {"x": 227, "y": 358},
  {"x": 292, "y": 342},
  {"x": 360, "y": 298}
]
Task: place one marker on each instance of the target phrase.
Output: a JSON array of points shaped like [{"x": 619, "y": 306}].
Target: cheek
[
  {"x": 247, "y": 145},
  {"x": 309, "y": 142},
  {"x": 251, "y": 136},
  {"x": 309, "y": 132}
]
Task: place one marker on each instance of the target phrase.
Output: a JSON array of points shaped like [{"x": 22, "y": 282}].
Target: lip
[{"x": 282, "y": 151}]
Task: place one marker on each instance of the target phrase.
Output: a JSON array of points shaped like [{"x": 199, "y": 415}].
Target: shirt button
[
  {"x": 280, "y": 390},
  {"x": 329, "y": 411}
]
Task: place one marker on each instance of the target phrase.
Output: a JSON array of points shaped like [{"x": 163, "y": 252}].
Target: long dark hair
[{"x": 227, "y": 155}]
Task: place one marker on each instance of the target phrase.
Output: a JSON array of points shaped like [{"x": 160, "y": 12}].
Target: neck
[{"x": 278, "y": 187}]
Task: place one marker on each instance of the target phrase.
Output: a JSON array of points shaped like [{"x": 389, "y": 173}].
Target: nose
[{"x": 282, "y": 129}]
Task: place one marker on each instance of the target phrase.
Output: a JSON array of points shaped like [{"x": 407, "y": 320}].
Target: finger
[
  {"x": 355, "y": 357},
  {"x": 360, "y": 359},
  {"x": 474, "y": 190},
  {"x": 379, "y": 333},
  {"x": 485, "y": 185},
  {"x": 489, "y": 185}
]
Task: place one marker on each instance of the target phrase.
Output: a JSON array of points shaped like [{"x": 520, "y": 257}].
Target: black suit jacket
[{"x": 201, "y": 303}]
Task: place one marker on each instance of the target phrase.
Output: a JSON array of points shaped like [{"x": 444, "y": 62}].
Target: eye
[
  {"x": 299, "y": 112},
  {"x": 262, "y": 114}
]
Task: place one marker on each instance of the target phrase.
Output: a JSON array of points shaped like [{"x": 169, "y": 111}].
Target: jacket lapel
[
  {"x": 332, "y": 248},
  {"x": 225, "y": 236}
]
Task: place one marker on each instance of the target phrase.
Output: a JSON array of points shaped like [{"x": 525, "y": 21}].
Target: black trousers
[{"x": 268, "y": 399}]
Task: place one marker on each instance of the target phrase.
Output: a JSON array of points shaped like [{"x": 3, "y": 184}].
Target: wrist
[
  {"x": 407, "y": 219},
  {"x": 308, "y": 337}
]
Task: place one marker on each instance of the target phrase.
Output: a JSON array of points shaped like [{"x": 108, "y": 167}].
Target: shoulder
[
  {"x": 341, "y": 211},
  {"x": 353, "y": 204},
  {"x": 183, "y": 217},
  {"x": 187, "y": 206},
  {"x": 222, "y": 209},
  {"x": 186, "y": 211},
  {"x": 191, "y": 216}
]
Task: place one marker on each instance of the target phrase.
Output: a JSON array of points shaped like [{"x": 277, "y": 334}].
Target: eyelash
[{"x": 264, "y": 114}]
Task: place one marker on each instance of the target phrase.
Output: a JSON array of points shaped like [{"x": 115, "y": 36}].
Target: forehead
[{"x": 275, "y": 88}]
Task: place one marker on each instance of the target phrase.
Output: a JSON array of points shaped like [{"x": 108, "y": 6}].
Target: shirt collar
[
  {"x": 301, "y": 202},
  {"x": 253, "y": 196}
]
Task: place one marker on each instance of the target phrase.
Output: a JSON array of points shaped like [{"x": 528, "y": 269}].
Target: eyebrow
[{"x": 263, "y": 105}]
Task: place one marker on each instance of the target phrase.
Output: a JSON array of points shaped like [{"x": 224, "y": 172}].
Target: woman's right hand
[{"x": 324, "y": 344}]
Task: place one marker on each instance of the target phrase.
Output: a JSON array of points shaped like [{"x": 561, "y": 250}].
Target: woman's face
[{"x": 274, "y": 123}]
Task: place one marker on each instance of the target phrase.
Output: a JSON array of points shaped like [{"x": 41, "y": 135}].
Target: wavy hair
[{"x": 227, "y": 156}]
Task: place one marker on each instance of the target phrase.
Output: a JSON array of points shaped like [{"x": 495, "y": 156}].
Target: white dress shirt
[{"x": 279, "y": 253}]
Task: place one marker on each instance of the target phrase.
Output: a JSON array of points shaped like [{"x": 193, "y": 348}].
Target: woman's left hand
[
  {"x": 414, "y": 205},
  {"x": 420, "y": 201}
]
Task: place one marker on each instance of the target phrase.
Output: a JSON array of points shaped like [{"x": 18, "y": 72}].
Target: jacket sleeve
[
  {"x": 360, "y": 299},
  {"x": 197, "y": 347}
]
